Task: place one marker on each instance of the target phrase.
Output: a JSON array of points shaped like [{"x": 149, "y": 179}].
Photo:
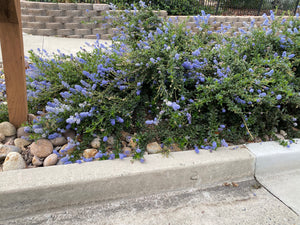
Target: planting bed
[{"x": 159, "y": 88}]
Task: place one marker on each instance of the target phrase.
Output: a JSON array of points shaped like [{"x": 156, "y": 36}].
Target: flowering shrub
[{"x": 164, "y": 83}]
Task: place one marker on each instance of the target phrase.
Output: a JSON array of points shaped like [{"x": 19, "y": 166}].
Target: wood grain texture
[
  {"x": 8, "y": 12},
  {"x": 13, "y": 61}
]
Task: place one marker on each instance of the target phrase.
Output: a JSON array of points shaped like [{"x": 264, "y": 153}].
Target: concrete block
[
  {"x": 54, "y": 26},
  {"x": 44, "y": 19},
  {"x": 56, "y": 13},
  {"x": 162, "y": 13},
  {"x": 75, "y": 36},
  {"x": 91, "y": 13},
  {"x": 24, "y": 11},
  {"x": 28, "y": 18},
  {"x": 26, "y": 191},
  {"x": 101, "y": 7},
  {"x": 83, "y": 31},
  {"x": 84, "y": 6},
  {"x": 29, "y": 30},
  {"x": 80, "y": 19},
  {"x": 67, "y": 6},
  {"x": 36, "y": 12},
  {"x": 88, "y": 25},
  {"x": 99, "y": 31},
  {"x": 106, "y": 36},
  {"x": 63, "y": 19},
  {"x": 92, "y": 36},
  {"x": 48, "y": 5},
  {"x": 34, "y": 25},
  {"x": 46, "y": 32},
  {"x": 65, "y": 32},
  {"x": 73, "y": 13},
  {"x": 32, "y": 5},
  {"x": 72, "y": 25}
]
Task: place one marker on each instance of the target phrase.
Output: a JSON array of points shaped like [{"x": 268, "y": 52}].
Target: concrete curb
[
  {"x": 271, "y": 157},
  {"x": 34, "y": 190}
]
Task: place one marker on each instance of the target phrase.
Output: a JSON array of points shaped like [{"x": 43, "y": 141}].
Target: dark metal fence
[
  {"x": 223, "y": 7},
  {"x": 255, "y": 7}
]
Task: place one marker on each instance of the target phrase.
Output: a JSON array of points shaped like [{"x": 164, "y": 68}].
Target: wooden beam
[
  {"x": 8, "y": 11},
  {"x": 13, "y": 60}
]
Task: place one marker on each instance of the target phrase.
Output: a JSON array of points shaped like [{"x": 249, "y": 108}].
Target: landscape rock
[
  {"x": 126, "y": 151},
  {"x": 96, "y": 143},
  {"x": 266, "y": 137},
  {"x": 283, "y": 133},
  {"x": 279, "y": 136},
  {"x": 31, "y": 117},
  {"x": 70, "y": 148},
  {"x": 51, "y": 160},
  {"x": 153, "y": 148},
  {"x": 36, "y": 161},
  {"x": 70, "y": 133},
  {"x": 124, "y": 136},
  {"x": 7, "y": 129},
  {"x": 9, "y": 140},
  {"x": 41, "y": 148},
  {"x": 175, "y": 148},
  {"x": 2, "y": 137},
  {"x": 21, "y": 142},
  {"x": 111, "y": 140},
  {"x": 59, "y": 141},
  {"x": 89, "y": 153},
  {"x": 21, "y": 132},
  {"x": 14, "y": 161},
  {"x": 6, "y": 149},
  {"x": 132, "y": 144},
  {"x": 27, "y": 155}
]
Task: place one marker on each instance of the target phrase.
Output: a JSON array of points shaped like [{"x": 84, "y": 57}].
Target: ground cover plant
[{"x": 161, "y": 82}]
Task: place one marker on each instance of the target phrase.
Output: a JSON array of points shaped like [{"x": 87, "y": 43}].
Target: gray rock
[
  {"x": 41, "y": 148},
  {"x": 59, "y": 141},
  {"x": 21, "y": 132},
  {"x": 36, "y": 161},
  {"x": 153, "y": 148},
  {"x": 7, "y": 129},
  {"x": 2, "y": 137},
  {"x": 21, "y": 143},
  {"x": 50, "y": 160},
  {"x": 96, "y": 143},
  {"x": 13, "y": 161},
  {"x": 6, "y": 149}
]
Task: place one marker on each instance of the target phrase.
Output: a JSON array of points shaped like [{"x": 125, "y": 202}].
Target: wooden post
[{"x": 13, "y": 60}]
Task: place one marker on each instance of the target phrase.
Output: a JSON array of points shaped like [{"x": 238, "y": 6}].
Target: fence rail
[{"x": 222, "y": 7}]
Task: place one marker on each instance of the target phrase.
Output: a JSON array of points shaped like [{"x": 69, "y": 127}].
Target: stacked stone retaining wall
[{"x": 76, "y": 20}]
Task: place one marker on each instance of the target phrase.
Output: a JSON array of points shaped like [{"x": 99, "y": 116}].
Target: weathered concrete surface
[
  {"x": 226, "y": 205},
  {"x": 271, "y": 157},
  {"x": 277, "y": 168},
  {"x": 51, "y": 44},
  {"x": 32, "y": 190},
  {"x": 285, "y": 186}
]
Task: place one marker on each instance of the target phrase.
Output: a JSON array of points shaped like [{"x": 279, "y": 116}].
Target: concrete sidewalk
[
  {"x": 277, "y": 168},
  {"x": 52, "y": 44},
  {"x": 31, "y": 191}
]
